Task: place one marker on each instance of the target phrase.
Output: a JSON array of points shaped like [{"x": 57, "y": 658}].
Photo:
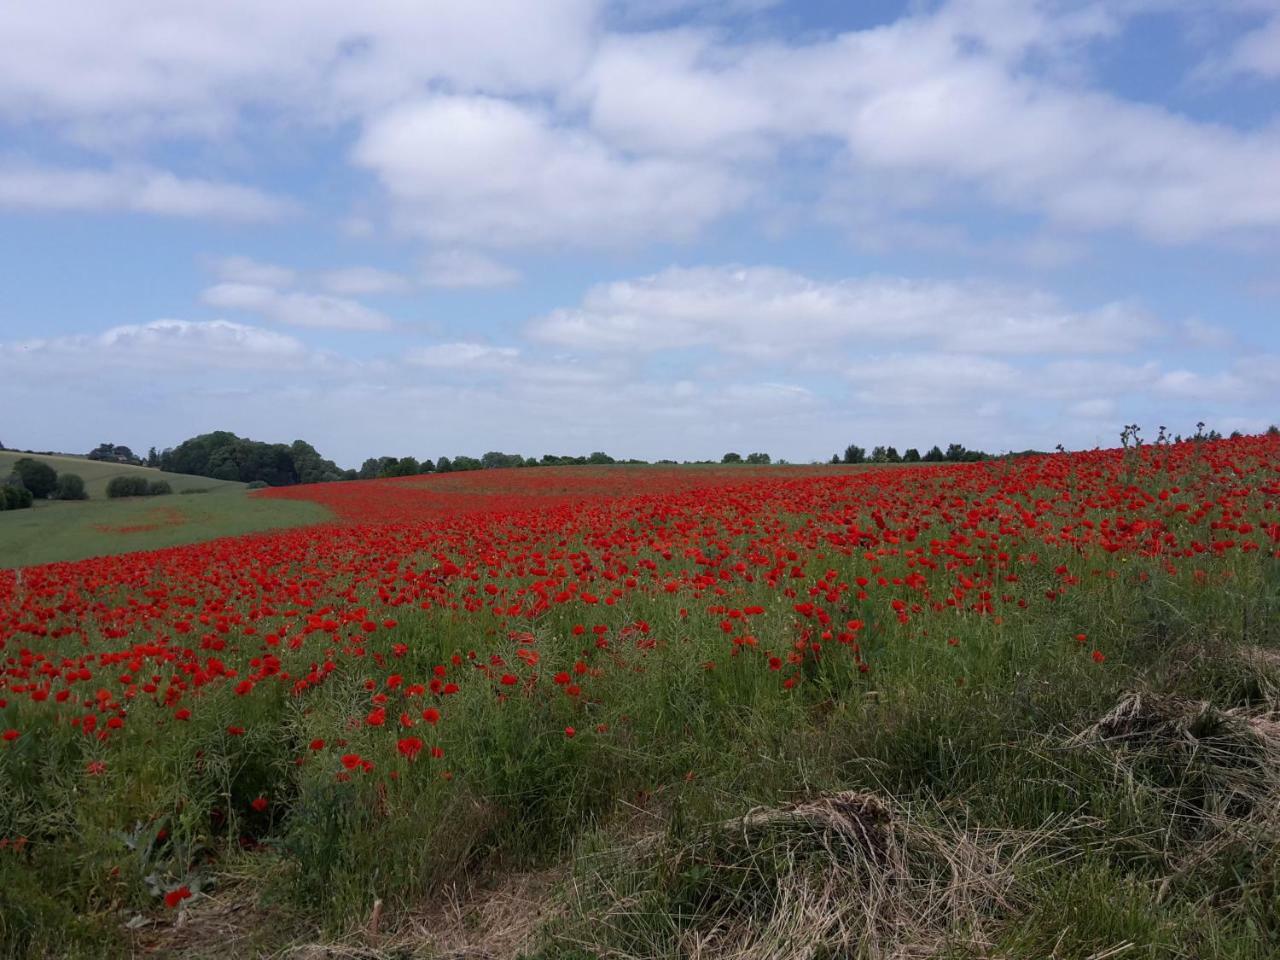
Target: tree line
[{"x": 955, "y": 453}]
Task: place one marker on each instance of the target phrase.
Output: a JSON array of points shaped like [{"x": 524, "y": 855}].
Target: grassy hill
[
  {"x": 97, "y": 474},
  {"x": 53, "y": 530}
]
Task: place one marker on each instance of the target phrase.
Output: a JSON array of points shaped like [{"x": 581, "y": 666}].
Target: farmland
[
  {"x": 1017, "y": 708},
  {"x": 199, "y": 509}
]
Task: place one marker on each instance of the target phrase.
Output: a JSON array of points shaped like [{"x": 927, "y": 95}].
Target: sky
[{"x": 665, "y": 228}]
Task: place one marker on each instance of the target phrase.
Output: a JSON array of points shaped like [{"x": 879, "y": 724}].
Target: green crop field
[{"x": 53, "y": 530}]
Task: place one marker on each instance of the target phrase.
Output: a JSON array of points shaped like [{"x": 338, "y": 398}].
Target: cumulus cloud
[
  {"x": 354, "y": 281},
  {"x": 464, "y": 356},
  {"x": 134, "y": 190},
  {"x": 465, "y": 268},
  {"x": 162, "y": 346},
  {"x": 960, "y": 95},
  {"x": 767, "y": 312},
  {"x": 146, "y": 67},
  {"x": 296, "y": 308},
  {"x": 488, "y": 172}
]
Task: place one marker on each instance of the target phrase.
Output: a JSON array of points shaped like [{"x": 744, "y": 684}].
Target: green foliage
[
  {"x": 128, "y": 485},
  {"x": 759, "y": 458},
  {"x": 71, "y": 487},
  {"x": 15, "y": 496},
  {"x": 115, "y": 453},
  {"x": 158, "y": 488},
  {"x": 854, "y": 454},
  {"x": 225, "y": 456},
  {"x": 37, "y": 476},
  {"x": 731, "y": 458}
]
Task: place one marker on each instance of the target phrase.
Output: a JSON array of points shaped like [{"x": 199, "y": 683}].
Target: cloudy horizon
[{"x": 656, "y": 229}]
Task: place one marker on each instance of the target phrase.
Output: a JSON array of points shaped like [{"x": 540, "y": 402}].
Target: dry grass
[{"x": 849, "y": 874}]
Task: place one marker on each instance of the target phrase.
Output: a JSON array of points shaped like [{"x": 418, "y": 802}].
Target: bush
[
  {"x": 158, "y": 488},
  {"x": 37, "y": 476},
  {"x": 129, "y": 485},
  {"x": 70, "y": 487},
  {"x": 258, "y": 484},
  {"x": 15, "y": 497}
]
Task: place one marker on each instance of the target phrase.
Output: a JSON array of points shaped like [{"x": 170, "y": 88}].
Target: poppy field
[{"x": 575, "y": 673}]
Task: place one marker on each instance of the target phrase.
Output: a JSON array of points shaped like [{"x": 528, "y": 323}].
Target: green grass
[
  {"x": 97, "y": 474},
  {"x": 53, "y": 531}
]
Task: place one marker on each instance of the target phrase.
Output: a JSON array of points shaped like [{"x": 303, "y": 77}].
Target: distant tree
[
  {"x": 70, "y": 487},
  {"x": 128, "y": 485},
  {"x": 444, "y": 465},
  {"x": 114, "y": 453},
  {"x": 935, "y": 455},
  {"x": 153, "y": 458},
  {"x": 759, "y": 458},
  {"x": 835, "y": 458},
  {"x": 37, "y": 476},
  {"x": 892, "y": 456},
  {"x": 600, "y": 458},
  {"x": 14, "y": 495},
  {"x": 369, "y": 469},
  {"x": 854, "y": 454},
  {"x": 879, "y": 454},
  {"x": 955, "y": 452},
  {"x": 911, "y": 456},
  {"x": 426, "y": 466},
  {"x": 1272, "y": 431},
  {"x": 731, "y": 458},
  {"x": 466, "y": 463},
  {"x": 496, "y": 459}
]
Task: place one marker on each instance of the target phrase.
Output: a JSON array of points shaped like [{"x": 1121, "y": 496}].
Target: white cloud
[
  {"x": 767, "y": 312},
  {"x": 354, "y": 281},
  {"x": 1257, "y": 52},
  {"x": 464, "y": 356},
  {"x": 160, "y": 347},
  {"x": 141, "y": 67},
  {"x": 296, "y": 308},
  {"x": 239, "y": 269},
  {"x": 464, "y": 268},
  {"x": 483, "y": 171},
  {"x": 958, "y": 96},
  {"x": 134, "y": 190}
]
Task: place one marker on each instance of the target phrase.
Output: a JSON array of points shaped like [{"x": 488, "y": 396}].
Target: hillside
[{"x": 97, "y": 474}]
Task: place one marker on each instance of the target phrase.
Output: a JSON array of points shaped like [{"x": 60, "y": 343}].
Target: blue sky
[{"x": 659, "y": 229}]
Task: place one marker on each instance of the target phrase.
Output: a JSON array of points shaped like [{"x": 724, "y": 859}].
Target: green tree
[
  {"x": 935, "y": 455},
  {"x": 759, "y": 458},
  {"x": 731, "y": 458},
  {"x": 599, "y": 458},
  {"x": 71, "y": 487},
  {"x": 444, "y": 465},
  {"x": 37, "y": 476},
  {"x": 911, "y": 456},
  {"x": 854, "y": 454},
  {"x": 128, "y": 485}
]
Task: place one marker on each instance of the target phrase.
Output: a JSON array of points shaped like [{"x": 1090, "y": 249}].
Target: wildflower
[{"x": 176, "y": 896}]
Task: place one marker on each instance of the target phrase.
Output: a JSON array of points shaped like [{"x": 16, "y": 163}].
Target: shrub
[
  {"x": 70, "y": 487},
  {"x": 14, "y": 497},
  {"x": 37, "y": 476},
  {"x": 158, "y": 488},
  {"x": 129, "y": 485},
  {"x": 258, "y": 484}
]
